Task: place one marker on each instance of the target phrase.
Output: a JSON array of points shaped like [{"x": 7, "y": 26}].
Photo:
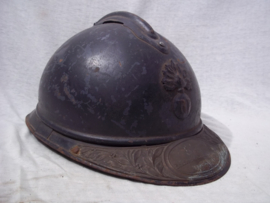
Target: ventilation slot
[{"x": 111, "y": 21}]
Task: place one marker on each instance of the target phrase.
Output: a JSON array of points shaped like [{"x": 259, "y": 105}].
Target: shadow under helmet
[{"x": 120, "y": 98}]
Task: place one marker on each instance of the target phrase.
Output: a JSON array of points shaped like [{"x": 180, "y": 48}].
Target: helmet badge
[{"x": 176, "y": 79}]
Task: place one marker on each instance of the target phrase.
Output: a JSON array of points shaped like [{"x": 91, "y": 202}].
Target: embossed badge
[{"x": 176, "y": 79}]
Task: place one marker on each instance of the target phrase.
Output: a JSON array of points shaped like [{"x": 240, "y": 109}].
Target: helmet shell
[{"x": 120, "y": 83}]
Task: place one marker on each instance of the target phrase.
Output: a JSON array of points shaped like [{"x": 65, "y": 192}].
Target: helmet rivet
[{"x": 161, "y": 44}]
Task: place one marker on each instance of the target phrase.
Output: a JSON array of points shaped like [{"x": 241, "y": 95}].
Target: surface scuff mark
[
  {"x": 148, "y": 107},
  {"x": 127, "y": 109},
  {"x": 132, "y": 91}
]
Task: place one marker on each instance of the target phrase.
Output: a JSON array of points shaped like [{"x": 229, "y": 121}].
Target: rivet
[{"x": 161, "y": 44}]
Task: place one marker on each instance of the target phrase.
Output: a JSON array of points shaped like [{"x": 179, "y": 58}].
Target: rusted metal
[
  {"x": 120, "y": 98},
  {"x": 195, "y": 160},
  {"x": 75, "y": 149}
]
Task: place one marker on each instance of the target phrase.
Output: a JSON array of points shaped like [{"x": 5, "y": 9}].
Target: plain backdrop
[{"x": 226, "y": 42}]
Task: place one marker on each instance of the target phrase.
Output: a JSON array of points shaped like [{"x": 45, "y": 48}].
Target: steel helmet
[{"x": 120, "y": 98}]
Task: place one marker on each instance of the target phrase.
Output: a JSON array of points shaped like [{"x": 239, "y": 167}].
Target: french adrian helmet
[{"x": 120, "y": 98}]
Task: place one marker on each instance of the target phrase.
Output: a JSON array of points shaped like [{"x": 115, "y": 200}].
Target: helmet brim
[{"x": 194, "y": 160}]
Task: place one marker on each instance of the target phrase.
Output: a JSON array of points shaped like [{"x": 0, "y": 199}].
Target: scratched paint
[{"x": 104, "y": 77}]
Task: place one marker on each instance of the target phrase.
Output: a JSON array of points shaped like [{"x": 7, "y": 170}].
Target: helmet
[{"x": 120, "y": 98}]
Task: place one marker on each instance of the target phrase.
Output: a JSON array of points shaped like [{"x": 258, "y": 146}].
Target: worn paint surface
[
  {"x": 116, "y": 83},
  {"x": 120, "y": 98}
]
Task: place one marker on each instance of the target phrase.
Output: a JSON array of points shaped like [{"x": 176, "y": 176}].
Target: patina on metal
[{"x": 120, "y": 98}]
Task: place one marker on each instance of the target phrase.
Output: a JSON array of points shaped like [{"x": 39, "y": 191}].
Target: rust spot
[
  {"x": 64, "y": 78},
  {"x": 75, "y": 149},
  {"x": 60, "y": 60},
  {"x": 96, "y": 69},
  {"x": 120, "y": 64},
  {"x": 181, "y": 61}
]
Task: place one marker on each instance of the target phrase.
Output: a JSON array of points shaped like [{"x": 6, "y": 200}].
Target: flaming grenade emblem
[{"x": 175, "y": 79}]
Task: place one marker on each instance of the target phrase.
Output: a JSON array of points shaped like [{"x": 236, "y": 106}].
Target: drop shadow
[{"x": 220, "y": 129}]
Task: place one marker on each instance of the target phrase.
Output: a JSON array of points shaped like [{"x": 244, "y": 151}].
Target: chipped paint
[
  {"x": 148, "y": 107},
  {"x": 127, "y": 108}
]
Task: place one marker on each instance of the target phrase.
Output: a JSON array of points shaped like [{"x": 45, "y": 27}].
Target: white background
[{"x": 226, "y": 42}]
